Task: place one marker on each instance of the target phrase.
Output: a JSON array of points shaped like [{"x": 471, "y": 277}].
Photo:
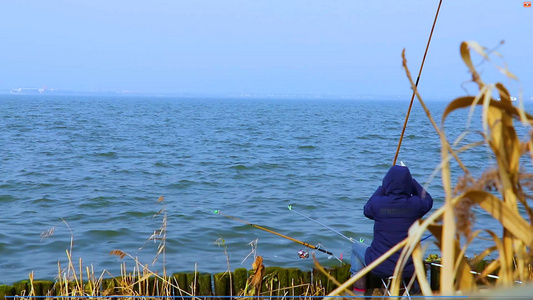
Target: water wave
[
  {"x": 307, "y": 147},
  {"x": 181, "y": 184},
  {"x": 106, "y": 154},
  {"x": 100, "y": 164},
  {"x": 239, "y": 167}
]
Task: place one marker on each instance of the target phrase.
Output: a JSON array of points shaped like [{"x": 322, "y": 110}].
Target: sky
[{"x": 304, "y": 47}]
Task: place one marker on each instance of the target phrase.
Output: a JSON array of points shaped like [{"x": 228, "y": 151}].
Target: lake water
[{"x": 101, "y": 163}]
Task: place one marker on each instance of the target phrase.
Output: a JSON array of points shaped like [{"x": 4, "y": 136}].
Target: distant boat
[
  {"x": 27, "y": 91},
  {"x": 512, "y": 99}
]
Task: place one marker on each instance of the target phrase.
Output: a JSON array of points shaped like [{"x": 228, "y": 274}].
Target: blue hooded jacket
[{"x": 394, "y": 207}]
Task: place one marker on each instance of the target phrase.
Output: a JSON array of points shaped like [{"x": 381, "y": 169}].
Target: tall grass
[
  {"x": 138, "y": 280},
  {"x": 75, "y": 280},
  {"x": 502, "y": 190}
]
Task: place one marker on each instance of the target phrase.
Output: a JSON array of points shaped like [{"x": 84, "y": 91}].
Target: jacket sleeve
[
  {"x": 417, "y": 188},
  {"x": 426, "y": 202},
  {"x": 367, "y": 210}
]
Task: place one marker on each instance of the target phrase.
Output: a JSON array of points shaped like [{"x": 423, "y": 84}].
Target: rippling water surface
[{"x": 100, "y": 164}]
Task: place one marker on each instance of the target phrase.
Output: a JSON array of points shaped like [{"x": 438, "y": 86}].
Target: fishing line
[
  {"x": 416, "y": 85},
  {"x": 337, "y": 232},
  {"x": 324, "y": 225},
  {"x": 303, "y": 254}
]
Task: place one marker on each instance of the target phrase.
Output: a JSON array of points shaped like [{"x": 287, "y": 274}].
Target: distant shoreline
[{"x": 227, "y": 96}]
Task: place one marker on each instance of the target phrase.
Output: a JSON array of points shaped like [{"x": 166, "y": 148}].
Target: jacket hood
[{"x": 398, "y": 181}]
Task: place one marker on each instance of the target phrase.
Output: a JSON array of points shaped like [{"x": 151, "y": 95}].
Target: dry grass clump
[
  {"x": 260, "y": 284},
  {"x": 76, "y": 281},
  {"x": 503, "y": 191}
]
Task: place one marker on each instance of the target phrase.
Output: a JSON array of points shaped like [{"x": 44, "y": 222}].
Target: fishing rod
[
  {"x": 337, "y": 232},
  {"x": 416, "y": 85},
  {"x": 317, "y": 247}
]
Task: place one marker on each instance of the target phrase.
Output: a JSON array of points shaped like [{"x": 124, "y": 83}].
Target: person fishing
[{"x": 394, "y": 207}]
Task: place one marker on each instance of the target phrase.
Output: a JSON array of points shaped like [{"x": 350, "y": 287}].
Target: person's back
[{"x": 394, "y": 207}]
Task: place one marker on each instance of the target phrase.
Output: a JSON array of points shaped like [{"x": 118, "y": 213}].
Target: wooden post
[
  {"x": 343, "y": 273},
  {"x": 108, "y": 286},
  {"x": 330, "y": 285},
  {"x": 37, "y": 287},
  {"x": 435, "y": 277},
  {"x": 180, "y": 280},
  {"x": 48, "y": 288},
  {"x": 283, "y": 280},
  {"x": 6, "y": 290},
  {"x": 192, "y": 283},
  {"x": 222, "y": 284},
  {"x": 204, "y": 285},
  {"x": 240, "y": 277},
  {"x": 295, "y": 277},
  {"x": 320, "y": 281},
  {"x": 21, "y": 287}
]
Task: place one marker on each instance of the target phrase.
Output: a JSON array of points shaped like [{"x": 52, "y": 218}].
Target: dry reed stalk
[
  {"x": 331, "y": 278},
  {"x": 256, "y": 280},
  {"x": 71, "y": 282},
  {"x": 503, "y": 141},
  {"x": 222, "y": 243},
  {"x": 501, "y": 137},
  {"x": 514, "y": 248},
  {"x": 142, "y": 279},
  {"x": 161, "y": 235}
]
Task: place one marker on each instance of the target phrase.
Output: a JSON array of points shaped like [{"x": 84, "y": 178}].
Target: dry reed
[{"x": 500, "y": 191}]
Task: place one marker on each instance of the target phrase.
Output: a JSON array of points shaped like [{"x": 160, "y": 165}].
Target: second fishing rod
[{"x": 301, "y": 253}]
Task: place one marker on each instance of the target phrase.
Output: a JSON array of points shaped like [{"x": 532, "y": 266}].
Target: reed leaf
[
  {"x": 521, "y": 259},
  {"x": 465, "y": 54},
  {"x": 449, "y": 228},
  {"x": 478, "y": 48},
  {"x": 468, "y": 101},
  {"x": 505, "y": 71},
  {"x": 505, "y": 273},
  {"x": 483, "y": 254},
  {"x": 420, "y": 270},
  {"x": 508, "y": 217},
  {"x": 490, "y": 268},
  {"x": 328, "y": 275}
]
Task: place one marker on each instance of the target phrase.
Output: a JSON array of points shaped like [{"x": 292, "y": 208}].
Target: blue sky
[{"x": 262, "y": 47}]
